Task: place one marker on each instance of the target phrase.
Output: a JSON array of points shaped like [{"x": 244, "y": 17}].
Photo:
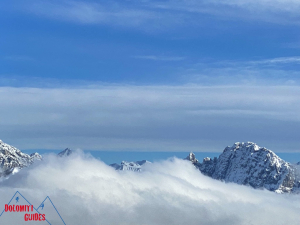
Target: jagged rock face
[
  {"x": 36, "y": 156},
  {"x": 65, "y": 152},
  {"x": 132, "y": 166},
  {"x": 191, "y": 157},
  {"x": 249, "y": 164},
  {"x": 208, "y": 166},
  {"x": 297, "y": 178},
  {"x": 12, "y": 159}
]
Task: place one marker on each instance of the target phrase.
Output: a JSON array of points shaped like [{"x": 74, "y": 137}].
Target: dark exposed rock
[{"x": 65, "y": 152}]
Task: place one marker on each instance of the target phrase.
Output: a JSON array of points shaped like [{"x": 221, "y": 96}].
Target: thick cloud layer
[
  {"x": 87, "y": 191},
  {"x": 169, "y": 118}
]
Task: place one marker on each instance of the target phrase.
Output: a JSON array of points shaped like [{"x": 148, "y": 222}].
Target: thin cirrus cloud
[
  {"x": 153, "y": 118},
  {"x": 94, "y": 13},
  {"x": 280, "y": 60},
  {"x": 269, "y": 11},
  {"x": 158, "y": 14},
  {"x": 272, "y": 71},
  {"x": 275, "y": 61}
]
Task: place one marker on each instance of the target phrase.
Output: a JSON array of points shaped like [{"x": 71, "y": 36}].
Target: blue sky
[
  {"x": 150, "y": 75},
  {"x": 151, "y": 42}
]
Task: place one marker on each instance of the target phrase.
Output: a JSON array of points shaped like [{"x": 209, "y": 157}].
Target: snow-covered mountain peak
[
  {"x": 12, "y": 159},
  {"x": 206, "y": 159},
  {"x": 36, "y": 156},
  {"x": 244, "y": 146},
  {"x": 132, "y": 166},
  {"x": 248, "y": 164},
  {"x": 191, "y": 157}
]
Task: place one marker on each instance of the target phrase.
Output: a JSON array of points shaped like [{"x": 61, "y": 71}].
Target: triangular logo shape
[
  {"x": 18, "y": 206},
  {"x": 48, "y": 208}
]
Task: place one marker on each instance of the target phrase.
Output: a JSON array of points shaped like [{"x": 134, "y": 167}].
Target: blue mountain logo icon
[{"x": 40, "y": 213}]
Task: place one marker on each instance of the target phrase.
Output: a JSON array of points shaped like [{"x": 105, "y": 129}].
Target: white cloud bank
[
  {"x": 86, "y": 191},
  {"x": 170, "y": 118}
]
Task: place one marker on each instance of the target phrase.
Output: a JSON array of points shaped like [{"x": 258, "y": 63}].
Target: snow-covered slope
[
  {"x": 249, "y": 164},
  {"x": 133, "y": 166},
  {"x": 65, "y": 152},
  {"x": 12, "y": 159}
]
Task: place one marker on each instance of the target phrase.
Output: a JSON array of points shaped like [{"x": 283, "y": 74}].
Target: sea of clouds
[{"x": 87, "y": 191}]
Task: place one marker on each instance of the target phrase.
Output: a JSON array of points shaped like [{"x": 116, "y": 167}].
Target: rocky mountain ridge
[
  {"x": 65, "y": 153},
  {"x": 243, "y": 163},
  {"x": 132, "y": 166},
  {"x": 248, "y": 164},
  {"x": 12, "y": 159}
]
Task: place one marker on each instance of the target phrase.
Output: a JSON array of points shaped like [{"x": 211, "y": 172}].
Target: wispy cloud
[
  {"x": 109, "y": 13},
  {"x": 280, "y": 60},
  {"x": 280, "y": 11},
  {"x": 159, "y": 14},
  {"x": 160, "y": 58},
  {"x": 272, "y": 71}
]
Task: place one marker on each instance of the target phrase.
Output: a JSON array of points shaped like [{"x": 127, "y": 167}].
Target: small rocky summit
[
  {"x": 12, "y": 159},
  {"x": 191, "y": 157},
  {"x": 65, "y": 152},
  {"x": 133, "y": 166},
  {"x": 249, "y": 164}
]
